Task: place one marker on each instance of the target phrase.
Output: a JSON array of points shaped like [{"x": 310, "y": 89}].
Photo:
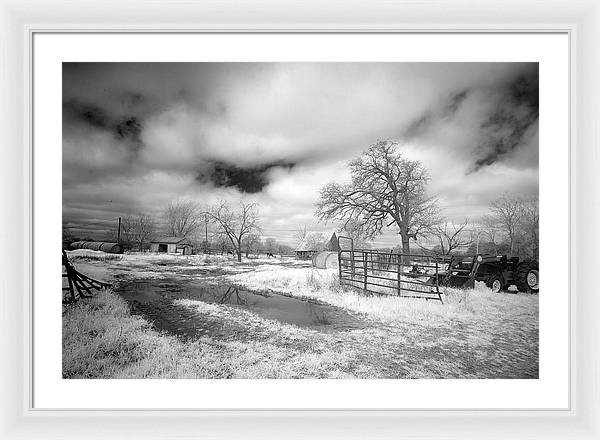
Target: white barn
[
  {"x": 172, "y": 245},
  {"x": 314, "y": 242}
]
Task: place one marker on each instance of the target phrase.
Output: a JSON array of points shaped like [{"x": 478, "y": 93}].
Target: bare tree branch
[
  {"x": 301, "y": 232},
  {"x": 507, "y": 212},
  {"x": 451, "y": 236},
  {"x": 183, "y": 218},
  {"x": 530, "y": 226},
  {"x": 251, "y": 243},
  {"x": 518, "y": 219},
  {"x": 138, "y": 230}
]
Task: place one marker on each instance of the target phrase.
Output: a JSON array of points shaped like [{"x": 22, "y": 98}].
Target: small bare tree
[
  {"x": 301, "y": 232},
  {"x": 251, "y": 243},
  {"x": 67, "y": 236},
  {"x": 183, "y": 218},
  {"x": 271, "y": 245},
  {"x": 507, "y": 211},
  {"x": 386, "y": 189},
  {"x": 451, "y": 236},
  {"x": 489, "y": 227},
  {"x": 138, "y": 230},
  {"x": 530, "y": 226},
  {"x": 220, "y": 241},
  {"x": 236, "y": 224}
]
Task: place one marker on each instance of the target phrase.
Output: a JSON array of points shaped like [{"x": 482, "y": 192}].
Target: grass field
[
  {"x": 102, "y": 340},
  {"x": 474, "y": 334}
]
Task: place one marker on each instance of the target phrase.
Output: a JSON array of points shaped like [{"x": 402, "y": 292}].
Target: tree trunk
[
  {"x": 405, "y": 245},
  {"x": 239, "y": 251}
]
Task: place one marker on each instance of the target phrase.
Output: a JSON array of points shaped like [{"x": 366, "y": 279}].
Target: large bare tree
[
  {"x": 183, "y": 218},
  {"x": 386, "y": 189},
  {"x": 236, "y": 223},
  {"x": 138, "y": 230}
]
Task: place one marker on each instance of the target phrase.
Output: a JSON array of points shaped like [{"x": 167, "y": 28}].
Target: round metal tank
[
  {"x": 111, "y": 248},
  {"x": 325, "y": 260}
]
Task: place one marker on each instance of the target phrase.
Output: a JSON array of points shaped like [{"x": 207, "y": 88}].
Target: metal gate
[
  {"x": 405, "y": 275},
  {"x": 78, "y": 285}
]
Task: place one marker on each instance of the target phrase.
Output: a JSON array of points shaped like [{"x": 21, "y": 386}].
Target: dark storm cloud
[
  {"x": 148, "y": 88},
  {"x": 420, "y": 126},
  {"x": 454, "y": 103},
  {"x": 125, "y": 128},
  {"x": 246, "y": 179},
  {"x": 88, "y": 113},
  {"x": 504, "y": 130},
  {"x": 130, "y": 129},
  {"x": 507, "y": 112}
]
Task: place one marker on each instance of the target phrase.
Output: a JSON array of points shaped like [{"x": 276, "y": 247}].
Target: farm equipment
[
  {"x": 423, "y": 276},
  {"x": 497, "y": 272}
]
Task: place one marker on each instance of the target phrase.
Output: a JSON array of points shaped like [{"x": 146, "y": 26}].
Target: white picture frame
[{"x": 580, "y": 20}]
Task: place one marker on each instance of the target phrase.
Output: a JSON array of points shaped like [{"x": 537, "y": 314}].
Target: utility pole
[
  {"x": 119, "y": 232},
  {"x": 206, "y": 228}
]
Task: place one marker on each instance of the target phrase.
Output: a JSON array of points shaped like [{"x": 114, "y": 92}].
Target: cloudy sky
[{"x": 136, "y": 136}]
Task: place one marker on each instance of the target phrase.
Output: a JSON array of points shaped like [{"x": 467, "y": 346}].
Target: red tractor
[{"x": 497, "y": 272}]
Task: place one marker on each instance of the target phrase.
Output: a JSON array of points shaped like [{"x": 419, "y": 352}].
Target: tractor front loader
[{"x": 499, "y": 273}]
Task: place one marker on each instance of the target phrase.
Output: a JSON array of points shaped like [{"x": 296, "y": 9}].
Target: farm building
[
  {"x": 314, "y": 242},
  {"x": 172, "y": 245}
]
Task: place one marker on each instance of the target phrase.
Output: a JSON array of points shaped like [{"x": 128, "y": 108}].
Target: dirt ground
[{"x": 285, "y": 312}]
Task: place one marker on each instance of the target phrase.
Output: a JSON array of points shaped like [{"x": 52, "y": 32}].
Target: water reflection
[
  {"x": 231, "y": 295},
  {"x": 155, "y": 300}
]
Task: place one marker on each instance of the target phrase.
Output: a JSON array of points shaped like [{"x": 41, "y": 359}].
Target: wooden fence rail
[{"x": 78, "y": 285}]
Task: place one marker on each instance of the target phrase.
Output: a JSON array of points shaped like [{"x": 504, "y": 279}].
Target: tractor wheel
[
  {"x": 528, "y": 277},
  {"x": 495, "y": 283}
]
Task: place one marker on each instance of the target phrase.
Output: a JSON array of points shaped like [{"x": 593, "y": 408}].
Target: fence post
[
  {"x": 340, "y": 262},
  {"x": 365, "y": 268},
  {"x": 399, "y": 270},
  {"x": 437, "y": 277},
  {"x": 352, "y": 262}
]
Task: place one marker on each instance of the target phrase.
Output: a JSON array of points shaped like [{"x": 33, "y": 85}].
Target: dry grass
[
  {"x": 474, "y": 334},
  {"x": 323, "y": 284},
  {"x": 91, "y": 255},
  {"x": 102, "y": 340}
]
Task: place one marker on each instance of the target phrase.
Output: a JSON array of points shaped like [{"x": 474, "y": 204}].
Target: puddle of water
[{"x": 153, "y": 299}]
